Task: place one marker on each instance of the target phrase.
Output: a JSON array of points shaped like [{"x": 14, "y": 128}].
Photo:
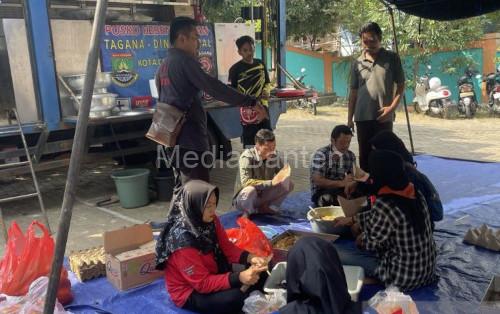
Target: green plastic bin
[{"x": 132, "y": 187}]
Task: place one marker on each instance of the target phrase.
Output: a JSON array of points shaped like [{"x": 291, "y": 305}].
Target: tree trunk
[{"x": 313, "y": 42}]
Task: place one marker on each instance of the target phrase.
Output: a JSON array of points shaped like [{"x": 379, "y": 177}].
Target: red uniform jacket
[{"x": 189, "y": 269}]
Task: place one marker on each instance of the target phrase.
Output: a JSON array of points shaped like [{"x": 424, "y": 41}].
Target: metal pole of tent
[
  {"x": 76, "y": 157},
  {"x": 391, "y": 13}
]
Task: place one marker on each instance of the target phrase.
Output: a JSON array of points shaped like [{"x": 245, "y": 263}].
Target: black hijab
[
  {"x": 315, "y": 280},
  {"x": 185, "y": 226},
  {"x": 388, "y": 170},
  {"x": 387, "y": 140}
]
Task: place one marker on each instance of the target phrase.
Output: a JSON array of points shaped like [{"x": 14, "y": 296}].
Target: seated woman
[
  {"x": 394, "y": 238},
  {"x": 315, "y": 280},
  {"x": 387, "y": 140},
  {"x": 195, "y": 252}
]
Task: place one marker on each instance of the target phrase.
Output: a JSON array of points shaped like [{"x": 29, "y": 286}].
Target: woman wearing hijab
[
  {"x": 315, "y": 280},
  {"x": 195, "y": 252},
  {"x": 394, "y": 238},
  {"x": 387, "y": 140}
]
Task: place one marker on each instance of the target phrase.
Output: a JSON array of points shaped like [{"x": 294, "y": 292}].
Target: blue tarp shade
[
  {"x": 446, "y": 9},
  {"x": 468, "y": 189}
]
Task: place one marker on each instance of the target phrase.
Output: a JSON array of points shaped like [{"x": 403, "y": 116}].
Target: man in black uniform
[
  {"x": 250, "y": 77},
  {"x": 180, "y": 81}
]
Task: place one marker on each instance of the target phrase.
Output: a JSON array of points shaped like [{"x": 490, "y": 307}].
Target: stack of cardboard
[{"x": 88, "y": 264}]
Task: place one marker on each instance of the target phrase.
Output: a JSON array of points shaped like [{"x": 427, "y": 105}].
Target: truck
[{"x": 43, "y": 50}]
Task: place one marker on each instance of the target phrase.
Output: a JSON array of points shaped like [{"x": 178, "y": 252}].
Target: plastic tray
[
  {"x": 280, "y": 255},
  {"x": 354, "y": 276}
]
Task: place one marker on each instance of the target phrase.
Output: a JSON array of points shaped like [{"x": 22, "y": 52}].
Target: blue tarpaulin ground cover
[{"x": 470, "y": 192}]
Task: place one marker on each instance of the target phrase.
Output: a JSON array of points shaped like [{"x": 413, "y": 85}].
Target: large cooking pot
[
  {"x": 102, "y": 80},
  {"x": 319, "y": 224}
]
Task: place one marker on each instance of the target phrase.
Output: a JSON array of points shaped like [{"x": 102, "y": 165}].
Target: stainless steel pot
[
  {"x": 102, "y": 80},
  {"x": 99, "y": 113},
  {"x": 99, "y": 102}
]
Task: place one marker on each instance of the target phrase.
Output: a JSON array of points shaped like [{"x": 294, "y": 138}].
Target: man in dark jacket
[{"x": 180, "y": 81}]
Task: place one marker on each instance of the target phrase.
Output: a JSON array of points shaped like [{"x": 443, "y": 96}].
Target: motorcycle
[
  {"x": 310, "y": 101},
  {"x": 467, "y": 100},
  {"x": 431, "y": 97},
  {"x": 493, "y": 90}
]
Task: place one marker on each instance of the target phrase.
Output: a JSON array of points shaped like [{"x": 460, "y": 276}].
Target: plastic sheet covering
[{"x": 470, "y": 193}]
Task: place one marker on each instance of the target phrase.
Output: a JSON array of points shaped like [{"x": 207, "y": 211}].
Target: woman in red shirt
[{"x": 196, "y": 254}]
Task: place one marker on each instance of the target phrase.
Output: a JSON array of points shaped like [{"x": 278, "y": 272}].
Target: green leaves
[{"x": 311, "y": 19}]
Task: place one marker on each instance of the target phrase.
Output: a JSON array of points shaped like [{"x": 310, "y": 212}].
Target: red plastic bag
[
  {"x": 250, "y": 238},
  {"x": 28, "y": 257}
]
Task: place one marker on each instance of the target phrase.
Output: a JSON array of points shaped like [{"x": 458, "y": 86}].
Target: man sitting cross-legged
[{"x": 264, "y": 180}]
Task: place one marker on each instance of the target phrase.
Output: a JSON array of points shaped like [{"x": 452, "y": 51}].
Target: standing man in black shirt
[
  {"x": 180, "y": 80},
  {"x": 250, "y": 77}
]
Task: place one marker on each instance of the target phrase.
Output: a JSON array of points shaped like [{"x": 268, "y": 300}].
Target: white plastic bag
[
  {"x": 32, "y": 303},
  {"x": 391, "y": 301},
  {"x": 277, "y": 299},
  {"x": 259, "y": 303}
]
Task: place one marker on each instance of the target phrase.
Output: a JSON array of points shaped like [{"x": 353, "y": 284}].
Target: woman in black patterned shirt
[{"x": 394, "y": 239}]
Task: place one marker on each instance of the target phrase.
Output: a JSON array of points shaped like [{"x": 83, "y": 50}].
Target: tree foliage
[
  {"x": 417, "y": 37},
  {"x": 311, "y": 19},
  {"x": 223, "y": 11}
]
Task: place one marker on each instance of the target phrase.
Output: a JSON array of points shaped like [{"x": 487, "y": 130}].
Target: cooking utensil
[
  {"x": 325, "y": 226},
  {"x": 99, "y": 102},
  {"x": 102, "y": 80}
]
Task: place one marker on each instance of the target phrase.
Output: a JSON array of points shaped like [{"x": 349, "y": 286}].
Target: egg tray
[{"x": 88, "y": 264}]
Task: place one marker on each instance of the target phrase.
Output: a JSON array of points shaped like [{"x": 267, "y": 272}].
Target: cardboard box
[
  {"x": 280, "y": 255},
  {"x": 130, "y": 257}
]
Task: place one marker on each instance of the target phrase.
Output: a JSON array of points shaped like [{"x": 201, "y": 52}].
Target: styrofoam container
[{"x": 354, "y": 276}]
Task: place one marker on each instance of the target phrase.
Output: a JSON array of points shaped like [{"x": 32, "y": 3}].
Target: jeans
[{"x": 350, "y": 255}]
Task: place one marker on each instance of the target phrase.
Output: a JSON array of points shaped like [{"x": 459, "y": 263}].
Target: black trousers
[
  {"x": 249, "y": 131},
  {"x": 366, "y": 131},
  {"x": 188, "y": 165},
  {"x": 227, "y": 301},
  {"x": 222, "y": 302}
]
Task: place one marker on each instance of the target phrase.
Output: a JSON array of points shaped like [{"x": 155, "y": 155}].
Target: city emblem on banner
[{"x": 123, "y": 69}]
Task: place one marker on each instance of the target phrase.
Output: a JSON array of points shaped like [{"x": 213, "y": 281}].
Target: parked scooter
[
  {"x": 467, "y": 100},
  {"x": 311, "y": 100},
  {"x": 493, "y": 90},
  {"x": 431, "y": 97}
]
